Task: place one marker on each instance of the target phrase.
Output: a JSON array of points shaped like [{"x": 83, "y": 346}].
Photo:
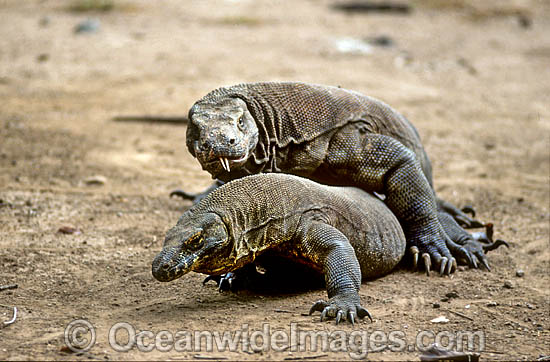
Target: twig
[
  {"x": 215, "y": 358},
  {"x": 305, "y": 357},
  {"x": 460, "y": 314},
  {"x": 152, "y": 119},
  {"x": 11, "y": 321},
  {"x": 282, "y": 311},
  {"x": 9, "y": 286}
]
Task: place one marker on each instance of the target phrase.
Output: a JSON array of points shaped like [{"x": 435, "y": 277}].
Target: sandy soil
[{"x": 472, "y": 77}]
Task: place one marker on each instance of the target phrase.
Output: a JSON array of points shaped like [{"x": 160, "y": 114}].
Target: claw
[
  {"x": 485, "y": 263},
  {"x": 414, "y": 251},
  {"x": 339, "y": 316},
  {"x": 495, "y": 245},
  {"x": 362, "y": 313},
  {"x": 351, "y": 317},
  {"x": 450, "y": 265},
  {"x": 319, "y": 305},
  {"x": 474, "y": 261},
  {"x": 455, "y": 265},
  {"x": 469, "y": 210},
  {"x": 427, "y": 263},
  {"x": 443, "y": 264},
  {"x": 324, "y": 314}
]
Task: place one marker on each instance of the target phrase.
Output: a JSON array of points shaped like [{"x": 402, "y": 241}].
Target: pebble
[
  {"x": 508, "y": 285},
  {"x": 381, "y": 40},
  {"x": 87, "y": 26},
  {"x": 44, "y": 21},
  {"x": 43, "y": 57},
  {"x": 520, "y": 273},
  {"x": 436, "y": 305},
  {"x": 492, "y": 304},
  {"x": 69, "y": 230},
  {"x": 96, "y": 180},
  {"x": 440, "y": 319},
  {"x": 453, "y": 294}
]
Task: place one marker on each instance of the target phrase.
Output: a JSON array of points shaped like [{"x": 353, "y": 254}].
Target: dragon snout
[
  {"x": 168, "y": 266},
  {"x": 219, "y": 139}
]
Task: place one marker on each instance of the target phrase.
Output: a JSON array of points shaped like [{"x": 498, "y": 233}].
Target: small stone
[
  {"x": 508, "y": 285},
  {"x": 530, "y": 306},
  {"x": 42, "y": 57},
  {"x": 520, "y": 273},
  {"x": 96, "y": 180},
  {"x": 436, "y": 305},
  {"x": 452, "y": 294},
  {"x": 381, "y": 40},
  {"x": 492, "y": 304},
  {"x": 69, "y": 230},
  {"x": 461, "y": 268},
  {"x": 440, "y": 319},
  {"x": 444, "y": 299},
  {"x": 87, "y": 26},
  {"x": 44, "y": 21}
]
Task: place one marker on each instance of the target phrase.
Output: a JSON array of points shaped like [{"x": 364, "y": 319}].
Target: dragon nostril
[{"x": 231, "y": 141}]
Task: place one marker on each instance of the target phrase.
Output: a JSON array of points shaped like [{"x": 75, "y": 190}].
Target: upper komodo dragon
[
  {"x": 337, "y": 137},
  {"x": 342, "y": 232}
]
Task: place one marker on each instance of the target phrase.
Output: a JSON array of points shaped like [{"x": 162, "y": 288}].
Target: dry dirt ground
[{"x": 472, "y": 76}]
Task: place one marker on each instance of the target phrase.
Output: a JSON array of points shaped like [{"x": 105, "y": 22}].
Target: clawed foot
[
  {"x": 461, "y": 216},
  {"x": 342, "y": 307},
  {"x": 480, "y": 243},
  {"x": 436, "y": 252},
  {"x": 225, "y": 282},
  {"x": 446, "y": 265},
  {"x": 466, "y": 221},
  {"x": 471, "y": 251}
]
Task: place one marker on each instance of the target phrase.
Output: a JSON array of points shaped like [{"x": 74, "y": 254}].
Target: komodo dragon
[
  {"x": 342, "y": 232},
  {"x": 333, "y": 136},
  {"x": 314, "y": 224}
]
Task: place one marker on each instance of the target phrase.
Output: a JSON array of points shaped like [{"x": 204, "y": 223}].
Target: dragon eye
[
  {"x": 196, "y": 242},
  {"x": 241, "y": 122}
]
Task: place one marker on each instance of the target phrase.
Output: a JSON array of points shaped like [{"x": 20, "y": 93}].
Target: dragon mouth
[{"x": 225, "y": 161}]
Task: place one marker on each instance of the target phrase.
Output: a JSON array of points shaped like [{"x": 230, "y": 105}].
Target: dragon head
[
  {"x": 222, "y": 134},
  {"x": 198, "y": 242}
]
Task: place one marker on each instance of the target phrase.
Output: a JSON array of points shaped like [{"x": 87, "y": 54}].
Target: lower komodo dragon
[
  {"x": 342, "y": 232},
  {"x": 336, "y": 137}
]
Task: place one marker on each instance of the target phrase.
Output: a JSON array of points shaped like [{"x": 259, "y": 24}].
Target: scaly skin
[
  {"x": 342, "y": 232},
  {"x": 330, "y": 135}
]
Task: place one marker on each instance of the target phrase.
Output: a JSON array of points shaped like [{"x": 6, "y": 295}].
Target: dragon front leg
[{"x": 327, "y": 246}]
